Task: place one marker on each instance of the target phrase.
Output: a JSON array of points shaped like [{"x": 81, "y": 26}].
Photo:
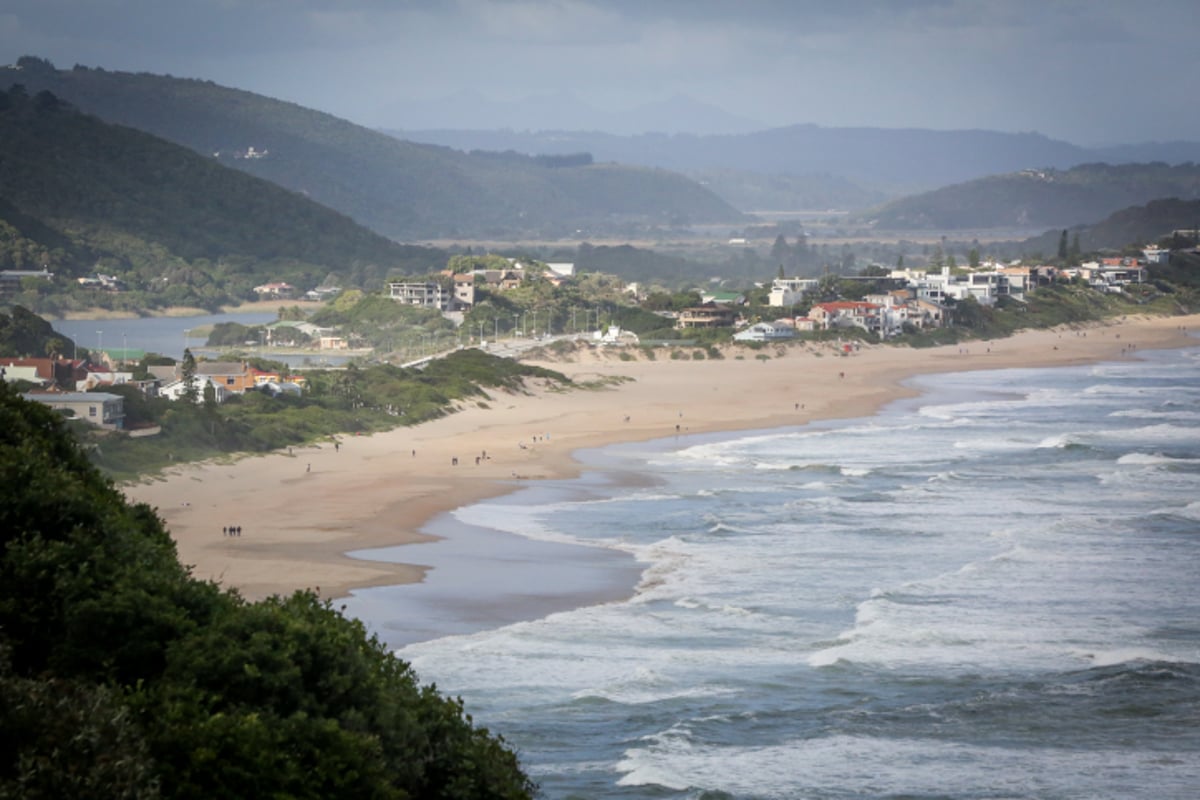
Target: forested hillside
[
  {"x": 1040, "y": 198},
  {"x": 1147, "y": 224},
  {"x": 78, "y": 195},
  {"x": 400, "y": 189}
]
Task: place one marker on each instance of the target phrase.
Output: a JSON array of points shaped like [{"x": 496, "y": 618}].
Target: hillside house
[
  {"x": 323, "y": 293},
  {"x": 986, "y": 286},
  {"x": 847, "y": 314},
  {"x": 233, "y": 376},
  {"x": 58, "y": 372},
  {"x": 10, "y": 279},
  {"x": 790, "y": 291},
  {"x": 275, "y": 291},
  {"x": 292, "y": 332},
  {"x": 503, "y": 279},
  {"x": 709, "y": 315},
  {"x": 426, "y": 294},
  {"x": 776, "y": 331},
  {"x": 722, "y": 298},
  {"x": 1112, "y": 274},
  {"x": 102, "y": 409},
  {"x": 175, "y": 390}
]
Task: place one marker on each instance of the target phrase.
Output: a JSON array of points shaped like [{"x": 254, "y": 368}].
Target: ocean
[{"x": 989, "y": 591}]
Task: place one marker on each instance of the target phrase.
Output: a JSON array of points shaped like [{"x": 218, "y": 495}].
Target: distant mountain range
[
  {"x": 1040, "y": 198},
  {"x": 400, "y": 189},
  {"x": 889, "y": 162},
  {"x": 470, "y": 110}
]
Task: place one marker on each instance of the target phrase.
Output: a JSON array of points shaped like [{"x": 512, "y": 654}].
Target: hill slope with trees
[
  {"x": 1138, "y": 225},
  {"x": 1041, "y": 198},
  {"x": 78, "y": 195},
  {"x": 400, "y": 189}
]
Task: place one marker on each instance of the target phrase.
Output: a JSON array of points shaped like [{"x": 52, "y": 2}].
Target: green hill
[
  {"x": 400, "y": 189},
  {"x": 1138, "y": 225},
  {"x": 79, "y": 195},
  {"x": 1046, "y": 198}
]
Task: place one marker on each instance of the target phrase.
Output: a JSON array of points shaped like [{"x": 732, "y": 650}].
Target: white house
[
  {"x": 427, "y": 294},
  {"x": 175, "y": 390},
  {"x": 790, "y": 291},
  {"x": 765, "y": 332},
  {"x": 102, "y": 409}
]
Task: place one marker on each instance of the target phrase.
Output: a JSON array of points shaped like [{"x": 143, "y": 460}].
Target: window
[
  {"x": 91, "y": 411},
  {"x": 229, "y": 381}
]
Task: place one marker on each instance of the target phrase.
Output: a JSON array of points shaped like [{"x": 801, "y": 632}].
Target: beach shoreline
[{"x": 301, "y": 512}]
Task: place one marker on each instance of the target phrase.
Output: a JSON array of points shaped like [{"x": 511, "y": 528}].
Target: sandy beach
[{"x": 301, "y": 512}]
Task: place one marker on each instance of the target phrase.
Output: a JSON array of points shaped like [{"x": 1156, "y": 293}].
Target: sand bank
[{"x": 300, "y": 512}]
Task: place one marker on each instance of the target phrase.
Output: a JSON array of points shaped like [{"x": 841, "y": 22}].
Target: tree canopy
[{"x": 123, "y": 676}]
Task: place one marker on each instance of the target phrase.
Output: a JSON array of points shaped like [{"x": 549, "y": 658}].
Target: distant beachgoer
[
  {"x": 308, "y": 468},
  {"x": 239, "y": 530},
  {"x": 414, "y": 455},
  {"x": 337, "y": 446},
  {"x": 224, "y": 531}
]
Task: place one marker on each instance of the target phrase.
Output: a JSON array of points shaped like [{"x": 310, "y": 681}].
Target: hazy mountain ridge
[
  {"x": 1040, "y": 198},
  {"x": 889, "y": 161},
  {"x": 400, "y": 189},
  {"x": 471, "y": 109}
]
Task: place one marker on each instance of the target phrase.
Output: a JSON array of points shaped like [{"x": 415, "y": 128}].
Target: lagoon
[{"x": 168, "y": 336}]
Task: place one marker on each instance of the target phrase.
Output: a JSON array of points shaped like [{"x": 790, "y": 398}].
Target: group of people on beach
[{"x": 231, "y": 530}]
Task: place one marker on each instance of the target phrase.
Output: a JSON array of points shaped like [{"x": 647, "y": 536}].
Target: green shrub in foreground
[{"x": 123, "y": 676}]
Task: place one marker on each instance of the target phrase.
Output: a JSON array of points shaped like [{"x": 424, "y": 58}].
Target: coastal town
[{"x": 918, "y": 300}]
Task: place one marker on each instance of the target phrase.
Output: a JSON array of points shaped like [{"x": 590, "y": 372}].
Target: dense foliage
[
  {"x": 122, "y": 676},
  {"x": 26, "y": 335},
  {"x": 174, "y": 228},
  {"x": 400, "y": 189}
]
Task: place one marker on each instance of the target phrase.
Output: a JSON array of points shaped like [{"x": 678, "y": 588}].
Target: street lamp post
[{"x": 100, "y": 343}]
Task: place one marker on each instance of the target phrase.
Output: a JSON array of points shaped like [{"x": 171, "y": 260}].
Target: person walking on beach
[
  {"x": 308, "y": 468},
  {"x": 224, "y": 531}
]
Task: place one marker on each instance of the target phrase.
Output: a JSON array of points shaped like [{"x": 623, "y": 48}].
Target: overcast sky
[{"x": 1088, "y": 71}]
